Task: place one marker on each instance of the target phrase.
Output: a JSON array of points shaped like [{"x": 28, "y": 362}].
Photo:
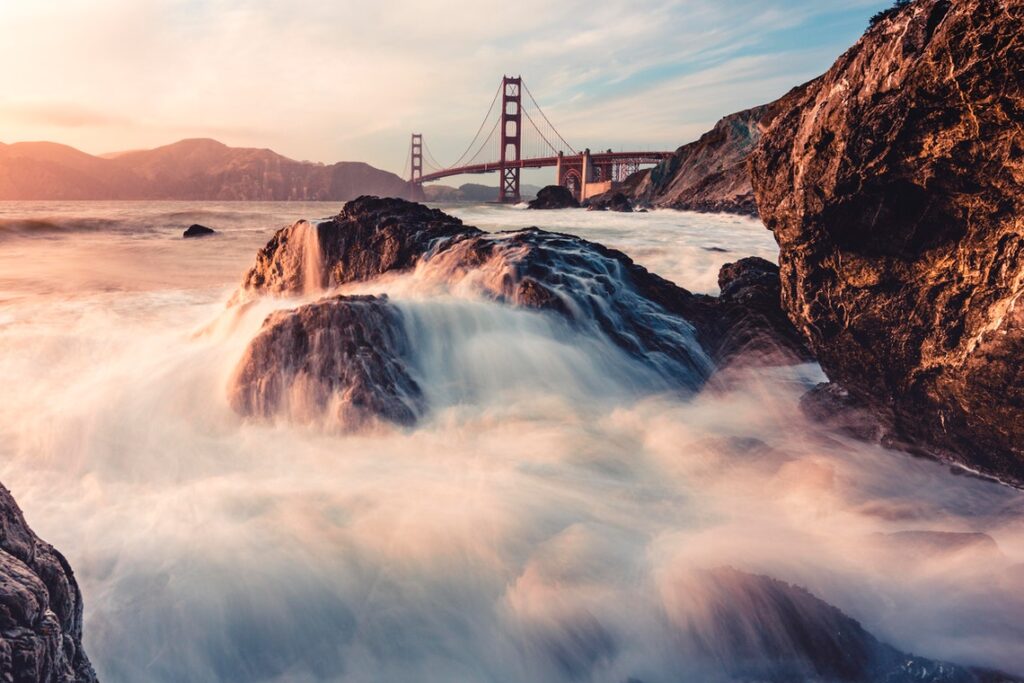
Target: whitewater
[{"x": 542, "y": 523}]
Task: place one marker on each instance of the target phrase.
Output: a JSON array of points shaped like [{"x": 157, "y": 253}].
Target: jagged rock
[
  {"x": 754, "y": 328},
  {"x": 369, "y": 237},
  {"x": 609, "y": 201},
  {"x": 895, "y": 188},
  {"x": 40, "y": 607},
  {"x": 197, "y": 230},
  {"x": 554, "y": 197},
  {"x": 757, "y": 628},
  {"x": 343, "y": 357},
  {"x": 680, "y": 335}
]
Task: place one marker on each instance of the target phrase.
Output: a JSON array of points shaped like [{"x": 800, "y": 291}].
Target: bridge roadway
[{"x": 597, "y": 159}]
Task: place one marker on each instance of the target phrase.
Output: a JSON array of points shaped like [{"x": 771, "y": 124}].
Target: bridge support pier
[{"x": 511, "y": 139}]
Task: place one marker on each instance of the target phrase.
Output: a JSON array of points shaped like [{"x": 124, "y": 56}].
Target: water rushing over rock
[
  {"x": 344, "y": 356},
  {"x": 670, "y": 333}
]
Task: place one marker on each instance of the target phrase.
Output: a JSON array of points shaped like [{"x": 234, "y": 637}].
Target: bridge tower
[
  {"x": 511, "y": 140},
  {"x": 416, "y": 155}
]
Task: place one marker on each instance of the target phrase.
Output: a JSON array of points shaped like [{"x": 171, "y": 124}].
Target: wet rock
[
  {"x": 753, "y": 327},
  {"x": 369, "y": 237},
  {"x": 554, "y": 197},
  {"x": 196, "y": 230},
  {"x": 760, "y": 629},
  {"x": 679, "y": 335},
  {"x": 832, "y": 407},
  {"x": 342, "y": 358},
  {"x": 609, "y": 201},
  {"x": 40, "y": 607},
  {"x": 895, "y": 188}
]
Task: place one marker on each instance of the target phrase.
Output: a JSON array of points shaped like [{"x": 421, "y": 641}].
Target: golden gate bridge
[{"x": 509, "y": 146}]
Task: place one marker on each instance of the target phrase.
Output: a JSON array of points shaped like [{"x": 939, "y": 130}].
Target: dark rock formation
[
  {"x": 895, "y": 188},
  {"x": 40, "y": 607},
  {"x": 554, "y": 197},
  {"x": 369, "y": 237},
  {"x": 609, "y": 201},
  {"x": 760, "y": 629},
  {"x": 680, "y": 335},
  {"x": 197, "y": 230},
  {"x": 753, "y": 326},
  {"x": 342, "y": 356}
]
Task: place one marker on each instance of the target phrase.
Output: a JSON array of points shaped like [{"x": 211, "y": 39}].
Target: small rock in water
[
  {"x": 554, "y": 197},
  {"x": 196, "y": 230},
  {"x": 610, "y": 201}
]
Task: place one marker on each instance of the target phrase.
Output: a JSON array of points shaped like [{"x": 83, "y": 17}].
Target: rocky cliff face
[
  {"x": 40, "y": 607},
  {"x": 895, "y": 188},
  {"x": 711, "y": 174}
]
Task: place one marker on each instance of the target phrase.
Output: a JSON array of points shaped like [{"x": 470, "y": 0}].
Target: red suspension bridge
[{"x": 510, "y": 146}]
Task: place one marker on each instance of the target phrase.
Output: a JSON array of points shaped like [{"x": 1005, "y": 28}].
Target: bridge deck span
[{"x": 596, "y": 158}]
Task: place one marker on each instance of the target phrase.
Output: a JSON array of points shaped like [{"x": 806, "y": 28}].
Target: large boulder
[
  {"x": 554, "y": 197},
  {"x": 895, "y": 189},
  {"x": 40, "y": 607},
  {"x": 342, "y": 358},
  {"x": 291, "y": 369}
]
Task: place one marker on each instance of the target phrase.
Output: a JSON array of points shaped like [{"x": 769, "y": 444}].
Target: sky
[{"x": 331, "y": 80}]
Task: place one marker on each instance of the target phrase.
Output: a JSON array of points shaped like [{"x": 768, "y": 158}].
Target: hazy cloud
[{"x": 351, "y": 80}]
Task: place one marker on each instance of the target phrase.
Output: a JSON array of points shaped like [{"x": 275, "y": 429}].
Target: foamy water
[{"x": 536, "y": 526}]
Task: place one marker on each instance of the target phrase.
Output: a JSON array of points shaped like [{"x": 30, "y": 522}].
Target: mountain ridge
[{"x": 190, "y": 169}]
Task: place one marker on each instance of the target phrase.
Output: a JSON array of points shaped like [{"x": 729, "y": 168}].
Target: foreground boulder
[
  {"x": 756, "y": 628},
  {"x": 344, "y": 358},
  {"x": 554, "y": 197},
  {"x": 347, "y": 356},
  {"x": 895, "y": 189},
  {"x": 196, "y": 230},
  {"x": 40, "y": 607}
]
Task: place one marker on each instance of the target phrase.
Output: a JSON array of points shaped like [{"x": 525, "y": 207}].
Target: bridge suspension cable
[{"x": 545, "y": 117}]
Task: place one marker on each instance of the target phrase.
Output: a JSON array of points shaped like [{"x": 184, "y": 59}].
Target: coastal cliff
[{"x": 894, "y": 186}]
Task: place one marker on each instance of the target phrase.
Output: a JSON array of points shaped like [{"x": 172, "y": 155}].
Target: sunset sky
[{"x": 345, "y": 80}]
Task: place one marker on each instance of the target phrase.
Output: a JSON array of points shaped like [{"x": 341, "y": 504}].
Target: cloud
[
  {"x": 350, "y": 80},
  {"x": 58, "y": 115}
]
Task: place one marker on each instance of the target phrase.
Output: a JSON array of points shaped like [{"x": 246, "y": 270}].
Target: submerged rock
[
  {"x": 609, "y": 201},
  {"x": 342, "y": 357},
  {"x": 895, "y": 188},
  {"x": 40, "y": 607},
  {"x": 757, "y": 628},
  {"x": 196, "y": 230},
  {"x": 554, "y": 197}
]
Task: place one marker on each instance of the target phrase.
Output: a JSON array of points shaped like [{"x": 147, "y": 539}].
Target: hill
[{"x": 196, "y": 169}]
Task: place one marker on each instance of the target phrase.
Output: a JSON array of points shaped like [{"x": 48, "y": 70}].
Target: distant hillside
[
  {"x": 472, "y": 192},
  {"x": 190, "y": 169},
  {"x": 712, "y": 173}
]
